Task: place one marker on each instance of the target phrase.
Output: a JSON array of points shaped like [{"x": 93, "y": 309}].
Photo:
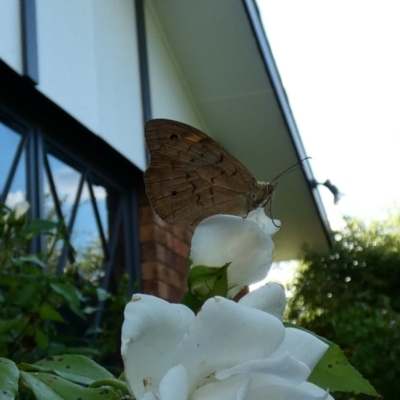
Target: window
[{"x": 96, "y": 207}]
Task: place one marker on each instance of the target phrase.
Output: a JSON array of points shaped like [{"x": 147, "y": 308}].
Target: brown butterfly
[{"x": 191, "y": 177}]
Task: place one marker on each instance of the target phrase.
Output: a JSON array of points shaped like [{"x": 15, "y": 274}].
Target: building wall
[
  {"x": 10, "y": 34},
  {"x": 170, "y": 95}
]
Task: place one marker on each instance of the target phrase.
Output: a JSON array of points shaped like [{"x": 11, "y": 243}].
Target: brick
[
  {"x": 159, "y": 272},
  {"x": 187, "y": 235},
  {"x": 180, "y": 247},
  {"x": 174, "y": 295},
  {"x": 162, "y": 236},
  {"x": 164, "y": 249},
  {"x": 163, "y": 290},
  {"x": 150, "y": 287},
  {"x": 147, "y": 233},
  {"x": 149, "y": 270},
  {"x": 148, "y": 252},
  {"x": 146, "y": 216},
  {"x": 175, "y": 261},
  {"x": 159, "y": 222}
]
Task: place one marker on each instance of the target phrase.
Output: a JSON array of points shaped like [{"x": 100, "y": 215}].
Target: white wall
[
  {"x": 120, "y": 115},
  {"x": 66, "y": 57},
  {"x": 88, "y": 65},
  {"x": 10, "y": 34},
  {"x": 170, "y": 96}
]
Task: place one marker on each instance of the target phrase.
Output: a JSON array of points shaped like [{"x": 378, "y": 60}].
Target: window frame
[{"x": 47, "y": 129}]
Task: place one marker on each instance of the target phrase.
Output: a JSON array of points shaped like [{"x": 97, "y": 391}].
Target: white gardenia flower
[
  {"x": 20, "y": 210},
  {"x": 227, "y": 351},
  {"x": 244, "y": 242},
  {"x": 17, "y": 214}
]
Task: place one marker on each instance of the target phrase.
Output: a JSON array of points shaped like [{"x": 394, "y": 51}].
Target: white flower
[
  {"x": 20, "y": 210},
  {"x": 227, "y": 351},
  {"x": 244, "y": 242}
]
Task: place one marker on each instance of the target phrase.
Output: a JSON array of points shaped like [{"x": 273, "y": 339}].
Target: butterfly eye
[
  {"x": 174, "y": 193},
  {"x": 173, "y": 137}
]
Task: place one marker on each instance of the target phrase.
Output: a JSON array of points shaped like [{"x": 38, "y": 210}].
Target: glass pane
[
  {"x": 86, "y": 238},
  {"x": 17, "y": 190},
  {"x": 100, "y": 194},
  {"x": 49, "y": 206},
  {"x": 66, "y": 181},
  {"x": 85, "y": 235},
  {"x": 9, "y": 140}
]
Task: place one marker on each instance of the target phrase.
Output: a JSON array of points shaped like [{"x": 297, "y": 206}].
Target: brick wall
[{"x": 164, "y": 250}]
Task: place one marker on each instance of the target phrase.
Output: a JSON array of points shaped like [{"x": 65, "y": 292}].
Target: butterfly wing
[{"x": 190, "y": 176}]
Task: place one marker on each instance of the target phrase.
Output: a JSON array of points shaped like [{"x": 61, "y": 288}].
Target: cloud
[
  {"x": 67, "y": 181},
  {"x": 15, "y": 197}
]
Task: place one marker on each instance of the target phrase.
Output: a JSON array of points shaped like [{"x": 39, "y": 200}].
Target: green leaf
[
  {"x": 90, "y": 310},
  {"x": 28, "y": 295},
  {"x": 206, "y": 282},
  {"x": 74, "y": 367},
  {"x": 102, "y": 294},
  {"x": 41, "y": 339},
  {"x": 40, "y": 390},
  {"x": 55, "y": 349},
  {"x": 191, "y": 301},
  {"x": 47, "y": 312},
  {"x": 335, "y": 373},
  {"x": 37, "y": 226},
  {"x": 71, "y": 295},
  {"x": 9, "y": 376},
  {"x": 93, "y": 330},
  {"x": 6, "y": 326},
  {"x": 68, "y": 292},
  {"x": 189, "y": 263},
  {"x": 20, "y": 261},
  {"x": 116, "y": 383},
  {"x": 52, "y": 387},
  {"x": 84, "y": 351},
  {"x": 77, "y": 311}
]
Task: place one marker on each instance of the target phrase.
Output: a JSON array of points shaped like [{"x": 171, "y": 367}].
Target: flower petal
[
  {"x": 223, "y": 239},
  {"x": 225, "y": 334},
  {"x": 304, "y": 391},
  {"x": 269, "y": 298},
  {"x": 174, "y": 384},
  {"x": 20, "y": 210},
  {"x": 269, "y": 226},
  {"x": 289, "y": 370},
  {"x": 151, "y": 331},
  {"x": 303, "y": 346},
  {"x": 234, "y": 388},
  {"x": 148, "y": 396}
]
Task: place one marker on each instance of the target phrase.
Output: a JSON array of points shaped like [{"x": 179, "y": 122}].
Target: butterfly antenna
[
  {"x": 270, "y": 211},
  {"x": 290, "y": 169}
]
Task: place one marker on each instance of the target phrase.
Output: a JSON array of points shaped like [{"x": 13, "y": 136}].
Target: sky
[
  {"x": 340, "y": 65},
  {"x": 339, "y": 62}
]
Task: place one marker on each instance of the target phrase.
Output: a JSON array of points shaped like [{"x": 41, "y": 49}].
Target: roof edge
[{"x": 280, "y": 93}]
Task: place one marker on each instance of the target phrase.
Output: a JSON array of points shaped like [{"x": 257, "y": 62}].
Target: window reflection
[
  {"x": 10, "y": 141},
  {"x": 66, "y": 181},
  {"x": 17, "y": 190},
  {"x": 86, "y": 240},
  {"x": 88, "y": 235}
]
